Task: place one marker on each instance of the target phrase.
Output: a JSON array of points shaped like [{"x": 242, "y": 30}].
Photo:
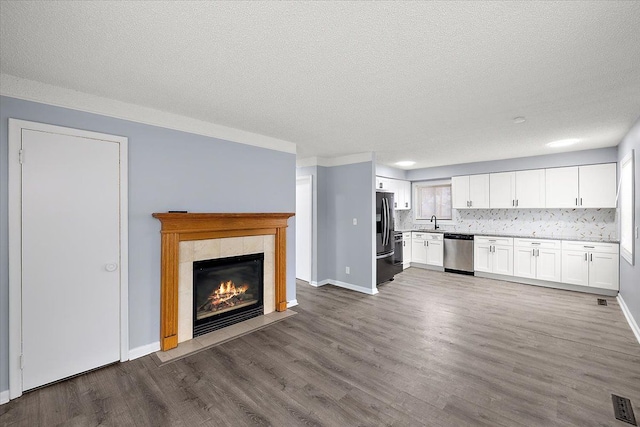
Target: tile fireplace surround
[{"x": 187, "y": 237}]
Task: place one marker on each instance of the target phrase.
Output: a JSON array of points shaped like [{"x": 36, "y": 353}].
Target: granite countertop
[{"x": 516, "y": 235}]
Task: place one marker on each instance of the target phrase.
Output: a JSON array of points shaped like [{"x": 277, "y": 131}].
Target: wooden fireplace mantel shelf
[{"x": 177, "y": 227}]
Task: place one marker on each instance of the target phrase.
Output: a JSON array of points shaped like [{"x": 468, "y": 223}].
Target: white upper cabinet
[
  {"x": 597, "y": 185},
  {"x": 562, "y": 187},
  {"x": 592, "y": 186},
  {"x": 460, "y": 192},
  {"x": 401, "y": 191},
  {"x": 470, "y": 191},
  {"x": 404, "y": 195},
  {"x": 530, "y": 189},
  {"x": 502, "y": 190},
  {"x": 522, "y": 189}
]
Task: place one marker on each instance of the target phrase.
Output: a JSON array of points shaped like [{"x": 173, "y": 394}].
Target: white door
[
  {"x": 419, "y": 251},
  {"x": 479, "y": 191},
  {"x": 460, "y": 192},
  {"x": 482, "y": 258},
  {"x": 548, "y": 268},
  {"x": 561, "y": 187},
  {"x": 406, "y": 250},
  {"x": 70, "y": 255},
  {"x": 598, "y": 186},
  {"x": 575, "y": 268},
  {"x": 304, "y": 204},
  {"x": 524, "y": 262},
  {"x": 530, "y": 189},
  {"x": 503, "y": 260},
  {"x": 603, "y": 270},
  {"x": 502, "y": 190},
  {"x": 435, "y": 252}
]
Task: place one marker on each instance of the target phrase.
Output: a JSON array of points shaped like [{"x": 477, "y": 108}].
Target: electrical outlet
[
  {"x": 355, "y": 221},
  {"x": 347, "y": 270}
]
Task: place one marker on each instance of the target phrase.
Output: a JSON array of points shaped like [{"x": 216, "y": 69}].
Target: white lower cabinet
[
  {"x": 591, "y": 264},
  {"x": 537, "y": 259},
  {"x": 427, "y": 248},
  {"x": 406, "y": 250},
  {"x": 493, "y": 255}
]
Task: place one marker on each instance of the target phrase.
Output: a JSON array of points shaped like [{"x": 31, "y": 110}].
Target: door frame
[
  {"x": 307, "y": 180},
  {"x": 15, "y": 241}
]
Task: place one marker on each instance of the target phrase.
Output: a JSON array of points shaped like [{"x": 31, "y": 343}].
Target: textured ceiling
[{"x": 434, "y": 82}]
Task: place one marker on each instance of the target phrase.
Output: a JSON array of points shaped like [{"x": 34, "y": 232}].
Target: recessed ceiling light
[
  {"x": 406, "y": 163},
  {"x": 563, "y": 142},
  {"x": 519, "y": 120}
]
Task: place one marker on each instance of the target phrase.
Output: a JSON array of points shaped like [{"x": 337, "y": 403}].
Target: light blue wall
[
  {"x": 585, "y": 157},
  {"x": 630, "y": 274},
  {"x": 351, "y": 187},
  {"x": 340, "y": 194},
  {"x": 168, "y": 170}
]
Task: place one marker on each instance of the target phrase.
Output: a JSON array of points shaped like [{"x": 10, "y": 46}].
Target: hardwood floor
[{"x": 431, "y": 349}]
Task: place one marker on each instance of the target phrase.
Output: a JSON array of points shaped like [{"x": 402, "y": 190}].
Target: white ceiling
[{"x": 434, "y": 82}]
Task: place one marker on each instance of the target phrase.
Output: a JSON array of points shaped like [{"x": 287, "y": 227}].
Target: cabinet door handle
[
  {"x": 516, "y": 203},
  {"x": 427, "y": 243},
  {"x": 395, "y": 204},
  {"x": 424, "y": 243},
  {"x": 406, "y": 204},
  {"x": 580, "y": 201},
  {"x": 591, "y": 257},
  {"x": 513, "y": 203},
  {"x": 470, "y": 203},
  {"x": 576, "y": 201},
  {"x": 404, "y": 244},
  {"x": 585, "y": 256}
]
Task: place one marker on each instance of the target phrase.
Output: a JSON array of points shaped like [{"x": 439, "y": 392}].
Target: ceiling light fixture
[
  {"x": 563, "y": 142},
  {"x": 519, "y": 119},
  {"x": 406, "y": 163}
]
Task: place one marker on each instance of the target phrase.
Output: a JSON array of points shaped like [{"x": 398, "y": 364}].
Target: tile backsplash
[{"x": 599, "y": 224}]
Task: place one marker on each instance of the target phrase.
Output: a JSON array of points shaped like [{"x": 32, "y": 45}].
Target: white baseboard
[
  {"x": 143, "y": 350},
  {"x": 630, "y": 319},
  {"x": 4, "y": 397},
  {"x": 321, "y": 283},
  {"x": 346, "y": 285},
  {"x": 353, "y": 287},
  {"x": 292, "y": 303}
]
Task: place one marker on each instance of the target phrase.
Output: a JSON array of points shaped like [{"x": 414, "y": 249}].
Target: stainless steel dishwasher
[{"x": 458, "y": 253}]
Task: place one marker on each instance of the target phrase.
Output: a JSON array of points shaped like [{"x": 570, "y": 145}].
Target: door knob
[{"x": 111, "y": 267}]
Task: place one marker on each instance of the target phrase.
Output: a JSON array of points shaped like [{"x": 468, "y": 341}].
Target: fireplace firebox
[{"x": 227, "y": 291}]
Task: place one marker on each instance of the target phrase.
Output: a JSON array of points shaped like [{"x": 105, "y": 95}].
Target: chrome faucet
[{"x": 433, "y": 217}]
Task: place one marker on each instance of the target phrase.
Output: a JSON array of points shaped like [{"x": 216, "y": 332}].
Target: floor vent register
[
  {"x": 623, "y": 410},
  {"x": 602, "y": 301}
]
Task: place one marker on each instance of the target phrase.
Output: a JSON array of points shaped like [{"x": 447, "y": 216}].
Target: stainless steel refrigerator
[{"x": 385, "y": 268}]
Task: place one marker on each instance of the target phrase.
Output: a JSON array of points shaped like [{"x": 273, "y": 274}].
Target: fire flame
[{"x": 229, "y": 289}]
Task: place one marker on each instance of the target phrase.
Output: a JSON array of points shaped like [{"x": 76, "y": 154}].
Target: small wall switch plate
[
  {"x": 355, "y": 222},
  {"x": 347, "y": 270}
]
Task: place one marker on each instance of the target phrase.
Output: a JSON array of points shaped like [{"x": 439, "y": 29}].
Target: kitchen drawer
[
  {"x": 491, "y": 240},
  {"x": 420, "y": 235},
  {"x": 406, "y": 235},
  {"x": 537, "y": 243},
  {"x": 609, "y": 248}
]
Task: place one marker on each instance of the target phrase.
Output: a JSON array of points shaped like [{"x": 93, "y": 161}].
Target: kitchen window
[{"x": 432, "y": 198}]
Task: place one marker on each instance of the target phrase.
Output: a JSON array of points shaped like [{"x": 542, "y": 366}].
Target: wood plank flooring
[{"x": 431, "y": 349}]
